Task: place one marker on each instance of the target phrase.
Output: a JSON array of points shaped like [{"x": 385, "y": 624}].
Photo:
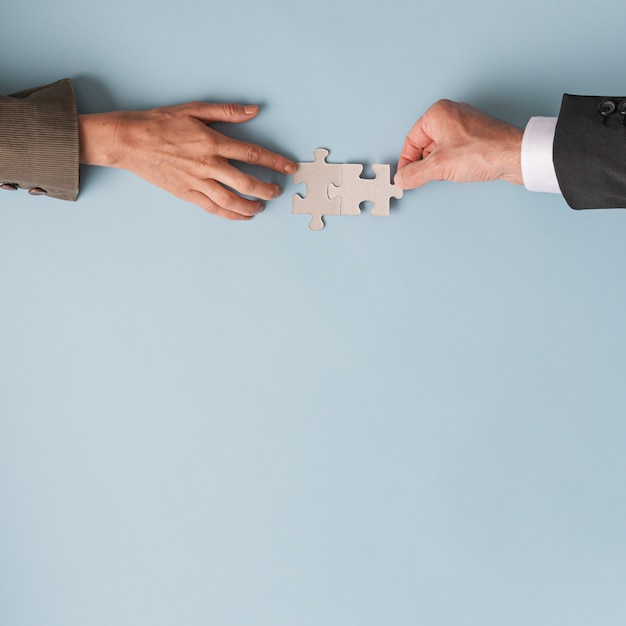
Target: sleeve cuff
[
  {"x": 39, "y": 147},
  {"x": 537, "y": 162}
]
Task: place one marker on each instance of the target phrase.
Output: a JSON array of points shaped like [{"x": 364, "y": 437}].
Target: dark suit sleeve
[
  {"x": 589, "y": 156},
  {"x": 39, "y": 140}
]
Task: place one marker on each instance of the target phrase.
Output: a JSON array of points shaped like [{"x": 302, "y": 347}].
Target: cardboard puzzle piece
[
  {"x": 354, "y": 190},
  {"x": 317, "y": 175},
  {"x": 338, "y": 189},
  {"x": 351, "y": 172}
]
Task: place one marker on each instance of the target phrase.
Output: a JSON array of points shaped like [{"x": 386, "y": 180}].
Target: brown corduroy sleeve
[{"x": 39, "y": 139}]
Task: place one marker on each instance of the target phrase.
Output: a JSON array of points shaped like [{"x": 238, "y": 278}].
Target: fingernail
[
  {"x": 290, "y": 168},
  {"x": 278, "y": 191},
  {"x": 398, "y": 179},
  {"x": 250, "y": 109},
  {"x": 260, "y": 207}
]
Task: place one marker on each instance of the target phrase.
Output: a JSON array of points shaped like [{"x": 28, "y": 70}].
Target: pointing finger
[
  {"x": 225, "y": 112},
  {"x": 256, "y": 155}
]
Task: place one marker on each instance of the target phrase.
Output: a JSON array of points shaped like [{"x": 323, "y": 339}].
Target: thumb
[
  {"x": 418, "y": 173},
  {"x": 226, "y": 112}
]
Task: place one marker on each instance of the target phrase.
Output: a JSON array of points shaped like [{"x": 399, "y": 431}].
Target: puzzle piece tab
[
  {"x": 317, "y": 175},
  {"x": 338, "y": 189}
]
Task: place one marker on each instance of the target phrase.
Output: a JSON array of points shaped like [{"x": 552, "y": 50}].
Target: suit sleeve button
[
  {"x": 37, "y": 191},
  {"x": 606, "y": 107},
  {"x": 9, "y": 186}
]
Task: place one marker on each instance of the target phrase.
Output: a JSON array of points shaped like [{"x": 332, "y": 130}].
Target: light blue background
[{"x": 416, "y": 420}]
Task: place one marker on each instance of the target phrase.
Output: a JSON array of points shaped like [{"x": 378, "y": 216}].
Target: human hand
[
  {"x": 175, "y": 149},
  {"x": 453, "y": 141}
]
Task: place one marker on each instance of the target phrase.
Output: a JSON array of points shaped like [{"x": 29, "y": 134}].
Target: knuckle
[
  {"x": 252, "y": 153},
  {"x": 208, "y": 206},
  {"x": 223, "y": 198},
  {"x": 204, "y": 162},
  {"x": 444, "y": 105},
  {"x": 230, "y": 109},
  {"x": 201, "y": 163},
  {"x": 200, "y": 200},
  {"x": 242, "y": 183},
  {"x": 181, "y": 110},
  {"x": 181, "y": 192}
]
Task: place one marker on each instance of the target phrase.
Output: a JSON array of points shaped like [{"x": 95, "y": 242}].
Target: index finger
[
  {"x": 414, "y": 144},
  {"x": 253, "y": 154}
]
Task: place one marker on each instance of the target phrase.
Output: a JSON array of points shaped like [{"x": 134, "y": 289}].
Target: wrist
[
  {"x": 98, "y": 139},
  {"x": 511, "y": 157}
]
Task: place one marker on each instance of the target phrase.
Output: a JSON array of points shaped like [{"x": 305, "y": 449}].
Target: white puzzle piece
[
  {"x": 338, "y": 189},
  {"x": 354, "y": 190},
  {"x": 317, "y": 176}
]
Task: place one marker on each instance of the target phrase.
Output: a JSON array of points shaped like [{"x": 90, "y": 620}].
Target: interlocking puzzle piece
[
  {"x": 317, "y": 176},
  {"x": 354, "y": 189},
  {"x": 351, "y": 172},
  {"x": 338, "y": 189}
]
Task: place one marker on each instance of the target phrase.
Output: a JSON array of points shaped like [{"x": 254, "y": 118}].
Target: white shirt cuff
[{"x": 537, "y": 163}]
